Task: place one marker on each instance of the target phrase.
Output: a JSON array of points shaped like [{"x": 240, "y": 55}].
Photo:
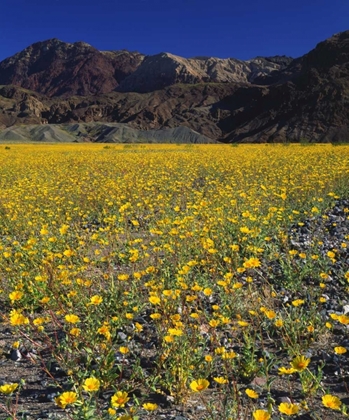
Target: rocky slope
[
  {"x": 99, "y": 133},
  {"x": 308, "y": 100},
  {"x": 264, "y": 99}
]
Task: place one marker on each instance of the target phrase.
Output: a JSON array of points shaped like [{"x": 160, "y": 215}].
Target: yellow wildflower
[
  {"x": 16, "y": 295},
  {"x": 150, "y": 406},
  {"x": 155, "y": 300},
  {"x": 289, "y": 409},
  {"x": 17, "y": 319},
  {"x": 251, "y": 393},
  {"x": 300, "y": 363},
  {"x": 66, "y": 398},
  {"x": 340, "y": 350},
  {"x": 220, "y": 380},
  {"x": 331, "y": 401},
  {"x": 44, "y": 300},
  {"x": 297, "y": 302},
  {"x": 252, "y": 263},
  {"x": 175, "y": 331},
  {"x": 8, "y": 388},
  {"x": 72, "y": 319},
  {"x": 286, "y": 371},
  {"x": 261, "y": 415},
  {"x": 75, "y": 332},
  {"x": 270, "y": 314},
  {"x": 68, "y": 253},
  {"x": 228, "y": 355},
  {"x": 199, "y": 385},
  {"x": 343, "y": 319},
  {"x": 96, "y": 300},
  {"x": 91, "y": 384},
  {"x": 119, "y": 399}
]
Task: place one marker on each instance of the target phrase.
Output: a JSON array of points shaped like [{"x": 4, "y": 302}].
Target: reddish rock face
[{"x": 56, "y": 68}]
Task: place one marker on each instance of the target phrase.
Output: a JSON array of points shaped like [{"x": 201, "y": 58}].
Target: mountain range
[{"x": 265, "y": 99}]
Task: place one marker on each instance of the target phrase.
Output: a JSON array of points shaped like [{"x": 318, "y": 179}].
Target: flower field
[{"x": 203, "y": 282}]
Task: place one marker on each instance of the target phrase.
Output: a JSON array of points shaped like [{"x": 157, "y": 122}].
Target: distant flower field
[{"x": 183, "y": 275}]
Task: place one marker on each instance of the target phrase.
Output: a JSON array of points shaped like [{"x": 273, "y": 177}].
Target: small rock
[
  {"x": 258, "y": 381},
  {"x": 122, "y": 336},
  {"x": 15, "y": 355}
]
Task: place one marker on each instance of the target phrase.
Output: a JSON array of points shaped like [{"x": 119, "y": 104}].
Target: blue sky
[{"x": 221, "y": 28}]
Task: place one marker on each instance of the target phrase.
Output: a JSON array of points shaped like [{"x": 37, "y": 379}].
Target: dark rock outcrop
[{"x": 308, "y": 100}]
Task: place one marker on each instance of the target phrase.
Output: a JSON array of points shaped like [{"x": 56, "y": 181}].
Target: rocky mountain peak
[{"x": 57, "y": 68}]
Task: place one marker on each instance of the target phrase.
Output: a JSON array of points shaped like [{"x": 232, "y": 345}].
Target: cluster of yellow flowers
[{"x": 289, "y": 409}]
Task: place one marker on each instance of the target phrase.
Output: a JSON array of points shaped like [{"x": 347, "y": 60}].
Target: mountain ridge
[
  {"x": 262, "y": 99},
  {"x": 57, "y": 68}
]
